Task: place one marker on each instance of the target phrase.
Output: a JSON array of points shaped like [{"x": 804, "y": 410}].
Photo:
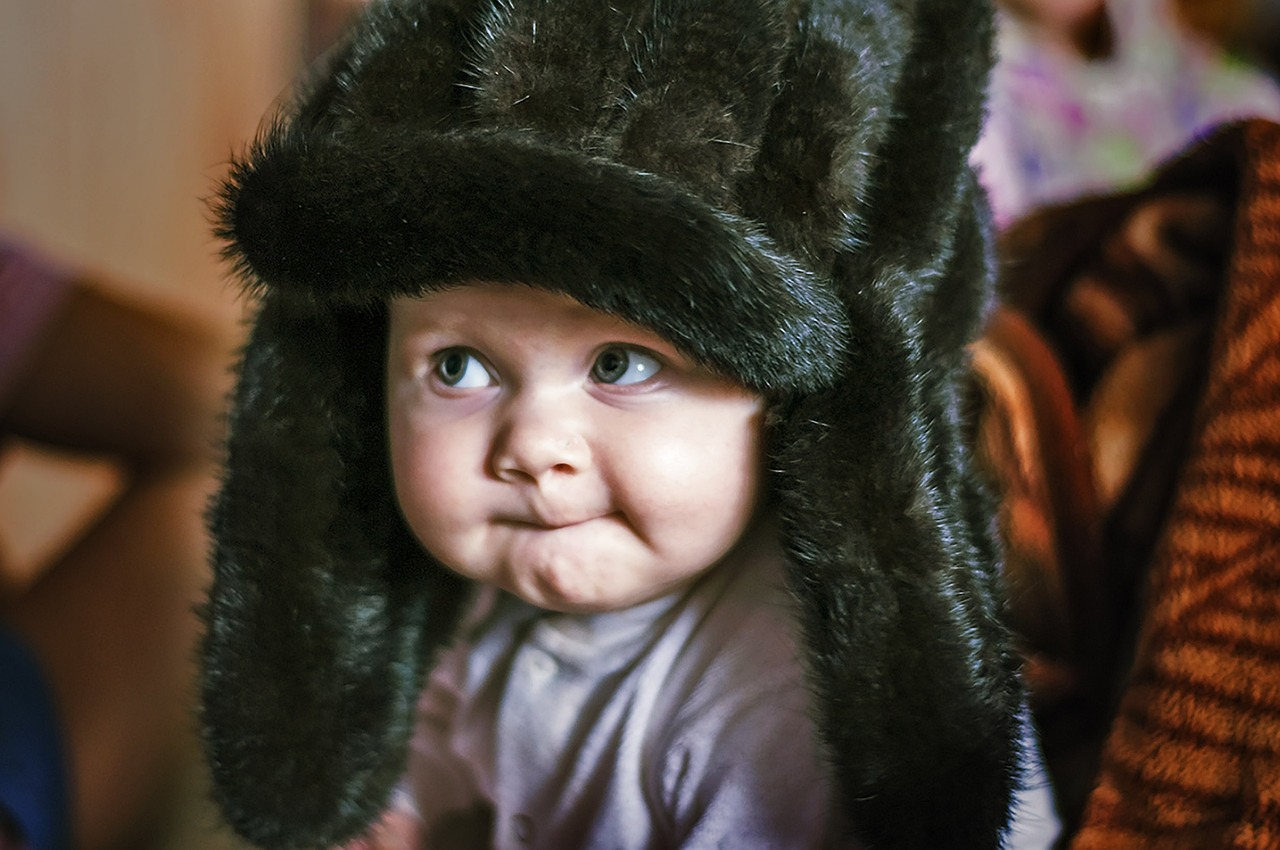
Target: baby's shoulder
[{"x": 739, "y": 658}]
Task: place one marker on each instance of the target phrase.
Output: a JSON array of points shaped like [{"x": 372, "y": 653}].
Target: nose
[{"x": 538, "y": 438}]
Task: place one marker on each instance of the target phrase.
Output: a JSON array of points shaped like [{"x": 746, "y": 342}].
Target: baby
[
  {"x": 595, "y": 476},
  {"x": 636, "y": 681}
]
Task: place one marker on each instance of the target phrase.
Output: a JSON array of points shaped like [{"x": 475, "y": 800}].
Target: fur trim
[
  {"x": 779, "y": 187},
  {"x": 324, "y": 612},
  {"x": 328, "y": 219},
  {"x": 628, "y": 175}
]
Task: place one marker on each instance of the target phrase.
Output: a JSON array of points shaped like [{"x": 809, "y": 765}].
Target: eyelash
[
  {"x": 634, "y": 356},
  {"x": 641, "y": 359},
  {"x": 472, "y": 362}
]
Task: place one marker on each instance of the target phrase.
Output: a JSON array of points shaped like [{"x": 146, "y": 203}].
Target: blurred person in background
[
  {"x": 95, "y": 648},
  {"x": 1089, "y": 95}
]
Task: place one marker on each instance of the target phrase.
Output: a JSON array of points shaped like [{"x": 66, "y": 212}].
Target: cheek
[
  {"x": 700, "y": 481},
  {"x": 430, "y": 467}
]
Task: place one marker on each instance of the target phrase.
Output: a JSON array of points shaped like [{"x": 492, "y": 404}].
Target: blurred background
[{"x": 117, "y": 121}]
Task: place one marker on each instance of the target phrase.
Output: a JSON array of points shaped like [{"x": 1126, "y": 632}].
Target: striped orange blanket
[{"x": 1143, "y": 522}]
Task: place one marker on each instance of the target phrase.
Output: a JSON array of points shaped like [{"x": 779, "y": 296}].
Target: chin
[
  {"x": 565, "y": 589},
  {"x": 598, "y": 599},
  {"x": 574, "y": 607}
]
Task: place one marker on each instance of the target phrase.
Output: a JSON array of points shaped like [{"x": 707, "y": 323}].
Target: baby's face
[{"x": 577, "y": 461}]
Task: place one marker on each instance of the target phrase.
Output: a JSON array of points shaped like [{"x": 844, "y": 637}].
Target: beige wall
[{"x": 117, "y": 118}]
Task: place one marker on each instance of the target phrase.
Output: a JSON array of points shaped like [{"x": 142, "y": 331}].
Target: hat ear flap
[
  {"x": 323, "y": 612},
  {"x": 888, "y": 534},
  {"x": 885, "y": 522}
]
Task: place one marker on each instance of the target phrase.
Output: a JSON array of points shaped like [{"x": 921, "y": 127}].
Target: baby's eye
[
  {"x": 619, "y": 365},
  {"x": 459, "y": 368}
]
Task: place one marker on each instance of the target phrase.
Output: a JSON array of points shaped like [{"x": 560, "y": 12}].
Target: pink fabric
[
  {"x": 32, "y": 291},
  {"x": 1061, "y": 127}
]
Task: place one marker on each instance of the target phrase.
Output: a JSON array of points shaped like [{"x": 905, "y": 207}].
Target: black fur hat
[{"x": 781, "y": 189}]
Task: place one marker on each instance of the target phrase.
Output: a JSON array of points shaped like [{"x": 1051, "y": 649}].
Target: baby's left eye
[{"x": 622, "y": 366}]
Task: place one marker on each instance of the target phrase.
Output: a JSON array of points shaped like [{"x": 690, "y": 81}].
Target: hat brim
[{"x": 355, "y": 220}]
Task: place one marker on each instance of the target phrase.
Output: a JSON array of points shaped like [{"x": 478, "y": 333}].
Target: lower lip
[{"x": 612, "y": 518}]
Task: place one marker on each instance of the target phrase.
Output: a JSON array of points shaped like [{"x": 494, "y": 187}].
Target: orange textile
[{"x": 1192, "y": 759}]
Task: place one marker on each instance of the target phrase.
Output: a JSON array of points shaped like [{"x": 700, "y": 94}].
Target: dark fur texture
[{"x": 778, "y": 187}]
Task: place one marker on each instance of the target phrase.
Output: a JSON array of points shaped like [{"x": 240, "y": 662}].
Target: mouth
[{"x": 551, "y": 522}]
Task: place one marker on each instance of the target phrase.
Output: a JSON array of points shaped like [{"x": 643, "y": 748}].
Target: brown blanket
[{"x": 1131, "y": 424}]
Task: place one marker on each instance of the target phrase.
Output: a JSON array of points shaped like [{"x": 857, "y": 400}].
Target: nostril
[
  {"x": 539, "y": 435},
  {"x": 514, "y": 474},
  {"x": 523, "y": 474}
]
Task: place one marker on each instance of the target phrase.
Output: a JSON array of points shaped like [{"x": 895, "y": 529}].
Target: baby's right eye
[{"x": 461, "y": 369}]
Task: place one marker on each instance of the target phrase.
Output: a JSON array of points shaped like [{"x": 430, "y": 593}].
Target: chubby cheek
[
  {"x": 696, "y": 497},
  {"x": 430, "y": 474}
]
